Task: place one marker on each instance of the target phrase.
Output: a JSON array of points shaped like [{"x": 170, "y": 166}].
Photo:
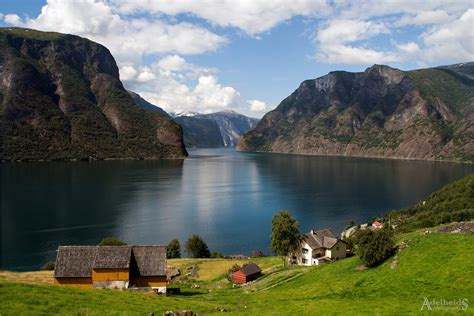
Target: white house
[{"x": 319, "y": 247}]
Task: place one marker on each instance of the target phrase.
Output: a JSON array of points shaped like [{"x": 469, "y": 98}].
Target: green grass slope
[
  {"x": 453, "y": 202},
  {"x": 436, "y": 266}
]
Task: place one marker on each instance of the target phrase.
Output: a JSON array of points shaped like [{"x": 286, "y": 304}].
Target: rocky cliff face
[
  {"x": 231, "y": 125},
  {"x": 61, "y": 98},
  {"x": 220, "y": 129},
  {"x": 382, "y": 112},
  {"x": 200, "y": 132}
]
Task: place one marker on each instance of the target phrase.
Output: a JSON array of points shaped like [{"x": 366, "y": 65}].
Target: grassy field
[{"x": 436, "y": 266}]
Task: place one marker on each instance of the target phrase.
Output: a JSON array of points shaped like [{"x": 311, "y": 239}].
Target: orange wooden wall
[
  {"x": 78, "y": 282},
  {"x": 110, "y": 275},
  {"x": 154, "y": 281}
]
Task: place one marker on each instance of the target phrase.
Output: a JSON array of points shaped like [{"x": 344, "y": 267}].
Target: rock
[
  {"x": 381, "y": 112},
  {"x": 63, "y": 100}
]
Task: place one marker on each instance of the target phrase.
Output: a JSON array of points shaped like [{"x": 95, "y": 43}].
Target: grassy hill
[
  {"x": 436, "y": 265},
  {"x": 453, "y": 202}
]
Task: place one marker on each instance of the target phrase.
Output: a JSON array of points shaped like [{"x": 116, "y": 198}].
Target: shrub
[
  {"x": 112, "y": 241},
  {"x": 375, "y": 246}
]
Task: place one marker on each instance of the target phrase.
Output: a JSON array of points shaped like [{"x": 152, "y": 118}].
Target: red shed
[{"x": 247, "y": 273}]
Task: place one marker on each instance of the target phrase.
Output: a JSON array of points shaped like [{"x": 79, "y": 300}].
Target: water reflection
[{"x": 226, "y": 197}]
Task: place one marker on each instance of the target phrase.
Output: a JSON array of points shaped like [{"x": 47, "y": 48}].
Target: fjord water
[{"x": 226, "y": 197}]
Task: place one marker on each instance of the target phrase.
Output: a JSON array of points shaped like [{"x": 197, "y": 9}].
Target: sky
[{"x": 248, "y": 55}]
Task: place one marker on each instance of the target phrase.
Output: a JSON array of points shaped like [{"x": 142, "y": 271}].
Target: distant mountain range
[
  {"x": 61, "y": 98},
  {"x": 382, "y": 112},
  {"x": 213, "y": 130}
]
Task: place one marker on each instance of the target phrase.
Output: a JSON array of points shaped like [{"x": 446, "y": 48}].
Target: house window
[
  {"x": 303, "y": 260},
  {"x": 337, "y": 248},
  {"x": 304, "y": 250}
]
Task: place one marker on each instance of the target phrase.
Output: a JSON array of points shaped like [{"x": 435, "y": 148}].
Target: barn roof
[
  {"x": 151, "y": 260},
  {"x": 75, "y": 261},
  {"x": 78, "y": 261},
  {"x": 250, "y": 268},
  {"x": 113, "y": 257},
  {"x": 320, "y": 239}
]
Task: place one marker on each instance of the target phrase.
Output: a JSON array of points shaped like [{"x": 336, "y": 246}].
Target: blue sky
[{"x": 206, "y": 56}]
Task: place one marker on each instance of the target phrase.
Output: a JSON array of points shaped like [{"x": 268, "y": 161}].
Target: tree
[
  {"x": 375, "y": 246},
  {"x": 197, "y": 248},
  {"x": 173, "y": 250},
  {"x": 286, "y": 237},
  {"x": 112, "y": 241}
]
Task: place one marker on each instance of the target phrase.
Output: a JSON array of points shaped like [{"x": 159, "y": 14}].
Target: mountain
[
  {"x": 220, "y": 129},
  {"x": 145, "y": 104},
  {"x": 61, "y": 98},
  {"x": 231, "y": 125},
  {"x": 382, "y": 112},
  {"x": 200, "y": 132}
]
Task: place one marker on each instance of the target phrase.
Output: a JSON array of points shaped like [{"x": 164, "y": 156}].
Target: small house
[
  {"x": 377, "y": 224},
  {"x": 111, "y": 267},
  {"x": 248, "y": 272},
  {"x": 319, "y": 247}
]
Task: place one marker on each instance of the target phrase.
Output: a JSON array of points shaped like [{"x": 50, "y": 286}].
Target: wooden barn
[
  {"x": 112, "y": 266},
  {"x": 248, "y": 272}
]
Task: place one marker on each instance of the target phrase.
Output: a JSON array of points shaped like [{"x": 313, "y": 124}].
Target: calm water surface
[{"x": 226, "y": 197}]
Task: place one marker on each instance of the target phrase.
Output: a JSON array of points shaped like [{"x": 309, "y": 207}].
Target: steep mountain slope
[
  {"x": 381, "y": 112},
  {"x": 61, "y": 98},
  {"x": 231, "y": 124},
  {"x": 200, "y": 132},
  {"x": 145, "y": 104},
  {"x": 215, "y": 129}
]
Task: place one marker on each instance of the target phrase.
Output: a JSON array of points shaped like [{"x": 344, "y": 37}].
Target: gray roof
[
  {"x": 75, "y": 261},
  {"x": 250, "y": 268},
  {"x": 151, "y": 260},
  {"x": 113, "y": 257},
  {"x": 78, "y": 261},
  {"x": 320, "y": 239}
]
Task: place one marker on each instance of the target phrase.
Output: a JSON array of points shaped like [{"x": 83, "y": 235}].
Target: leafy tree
[
  {"x": 112, "y": 241},
  {"x": 286, "y": 237},
  {"x": 197, "y": 248},
  {"x": 217, "y": 255},
  {"x": 375, "y": 246},
  {"x": 173, "y": 250}
]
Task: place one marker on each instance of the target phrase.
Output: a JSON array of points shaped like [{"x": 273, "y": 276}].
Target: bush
[
  {"x": 112, "y": 241},
  {"x": 48, "y": 266},
  {"x": 375, "y": 246},
  {"x": 217, "y": 255},
  {"x": 197, "y": 248},
  {"x": 173, "y": 250}
]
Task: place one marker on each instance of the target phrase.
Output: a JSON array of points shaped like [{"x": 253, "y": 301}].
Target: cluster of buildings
[{"x": 145, "y": 266}]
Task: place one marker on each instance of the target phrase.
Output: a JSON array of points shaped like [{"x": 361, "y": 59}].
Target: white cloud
[
  {"x": 452, "y": 42},
  {"x": 128, "y": 72},
  {"x": 253, "y": 17},
  {"x": 334, "y": 40},
  {"x": 12, "y": 19},
  {"x": 177, "y": 85},
  {"x": 257, "y": 105},
  {"x": 409, "y": 48},
  {"x": 432, "y": 17},
  {"x": 129, "y": 38}
]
